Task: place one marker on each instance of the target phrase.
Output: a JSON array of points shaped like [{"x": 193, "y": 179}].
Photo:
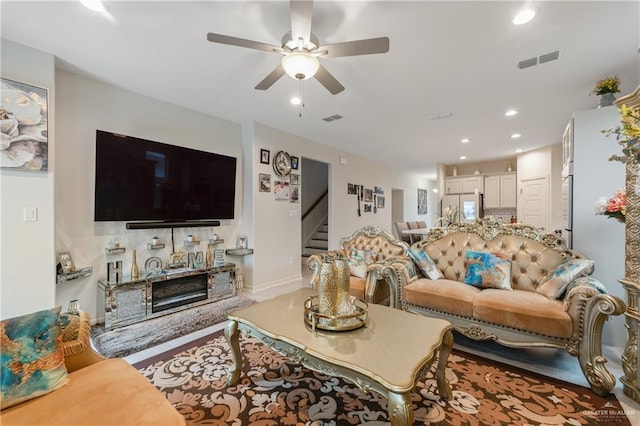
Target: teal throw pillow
[
  {"x": 425, "y": 264},
  {"x": 485, "y": 270},
  {"x": 32, "y": 358},
  {"x": 360, "y": 261},
  {"x": 556, "y": 285}
]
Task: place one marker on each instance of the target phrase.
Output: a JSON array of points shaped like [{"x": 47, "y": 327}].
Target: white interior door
[{"x": 534, "y": 202}]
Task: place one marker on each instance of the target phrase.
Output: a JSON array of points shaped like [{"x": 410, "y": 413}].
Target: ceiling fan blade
[
  {"x": 242, "y": 42},
  {"x": 271, "y": 78},
  {"x": 368, "y": 46},
  {"x": 328, "y": 81},
  {"x": 301, "y": 14}
]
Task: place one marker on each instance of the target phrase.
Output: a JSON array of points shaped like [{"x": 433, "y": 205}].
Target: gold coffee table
[{"x": 388, "y": 356}]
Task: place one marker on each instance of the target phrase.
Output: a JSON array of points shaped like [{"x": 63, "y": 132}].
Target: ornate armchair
[{"x": 368, "y": 285}]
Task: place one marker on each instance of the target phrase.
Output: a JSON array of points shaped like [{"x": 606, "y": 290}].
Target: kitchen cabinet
[
  {"x": 453, "y": 185},
  {"x": 463, "y": 184},
  {"x": 500, "y": 191}
]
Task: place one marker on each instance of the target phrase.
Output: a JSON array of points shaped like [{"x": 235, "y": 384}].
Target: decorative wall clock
[{"x": 282, "y": 163}]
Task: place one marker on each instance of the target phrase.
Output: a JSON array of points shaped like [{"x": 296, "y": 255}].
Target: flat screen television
[{"x": 138, "y": 179}]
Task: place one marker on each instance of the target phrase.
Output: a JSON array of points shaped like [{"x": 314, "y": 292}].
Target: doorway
[
  {"x": 397, "y": 210},
  {"x": 534, "y": 202},
  {"x": 314, "y": 208}
]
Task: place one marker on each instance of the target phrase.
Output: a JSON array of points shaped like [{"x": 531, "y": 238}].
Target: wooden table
[
  {"x": 416, "y": 234},
  {"x": 389, "y": 355}
]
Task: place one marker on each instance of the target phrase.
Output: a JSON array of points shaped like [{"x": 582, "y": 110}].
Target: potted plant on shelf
[{"x": 606, "y": 89}]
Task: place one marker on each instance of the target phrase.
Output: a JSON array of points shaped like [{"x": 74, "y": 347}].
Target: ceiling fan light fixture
[{"x": 300, "y": 65}]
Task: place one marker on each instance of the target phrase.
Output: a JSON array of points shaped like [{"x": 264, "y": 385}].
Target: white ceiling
[{"x": 449, "y": 57}]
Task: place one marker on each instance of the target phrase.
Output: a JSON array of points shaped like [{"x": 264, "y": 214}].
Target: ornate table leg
[
  {"x": 400, "y": 409},
  {"x": 232, "y": 333},
  {"x": 445, "y": 349}
]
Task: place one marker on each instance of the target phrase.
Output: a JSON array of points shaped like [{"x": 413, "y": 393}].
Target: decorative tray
[{"x": 344, "y": 322}]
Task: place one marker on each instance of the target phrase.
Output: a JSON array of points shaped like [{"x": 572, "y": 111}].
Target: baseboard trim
[{"x": 273, "y": 289}]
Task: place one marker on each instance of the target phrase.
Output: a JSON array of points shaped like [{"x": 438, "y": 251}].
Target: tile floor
[{"x": 548, "y": 362}]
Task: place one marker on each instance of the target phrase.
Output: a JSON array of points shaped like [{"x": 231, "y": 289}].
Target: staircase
[{"x": 319, "y": 241}]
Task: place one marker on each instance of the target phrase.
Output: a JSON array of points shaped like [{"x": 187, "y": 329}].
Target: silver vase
[{"x": 606, "y": 99}]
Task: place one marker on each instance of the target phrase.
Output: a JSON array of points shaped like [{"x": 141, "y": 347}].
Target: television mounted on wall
[{"x": 139, "y": 179}]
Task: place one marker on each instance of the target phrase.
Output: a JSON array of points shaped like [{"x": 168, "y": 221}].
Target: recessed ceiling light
[
  {"x": 296, "y": 100},
  {"x": 95, "y": 5},
  {"x": 518, "y": 150},
  {"x": 510, "y": 113},
  {"x": 524, "y": 16},
  {"x": 465, "y": 140},
  {"x": 463, "y": 157},
  {"x": 515, "y": 135}
]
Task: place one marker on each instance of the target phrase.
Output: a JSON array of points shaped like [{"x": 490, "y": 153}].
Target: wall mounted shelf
[
  {"x": 78, "y": 273},
  {"x": 239, "y": 252},
  {"x": 157, "y": 246},
  {"x": 191, "y": 243},
  {"x": 116, "y": 250},
  {"x": 216, "y": 241}
]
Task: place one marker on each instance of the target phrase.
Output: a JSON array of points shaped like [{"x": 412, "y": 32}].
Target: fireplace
[{"x": 177, "y": 292}]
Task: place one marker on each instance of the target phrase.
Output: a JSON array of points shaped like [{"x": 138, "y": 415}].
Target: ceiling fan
[{"x": 300, "y": 50}]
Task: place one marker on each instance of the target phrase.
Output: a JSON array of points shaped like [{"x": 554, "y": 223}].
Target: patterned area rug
[
  {"x": 136, "y": 337},
  {"x": 275, "y": 391}
]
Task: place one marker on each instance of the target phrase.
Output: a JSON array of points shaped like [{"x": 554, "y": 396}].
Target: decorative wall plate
[{"x": 282, "y": 163}]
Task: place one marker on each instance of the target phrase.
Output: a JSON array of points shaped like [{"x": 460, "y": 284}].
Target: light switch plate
[{"x": 30, "y": 214}]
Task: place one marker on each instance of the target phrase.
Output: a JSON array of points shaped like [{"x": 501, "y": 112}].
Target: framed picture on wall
[
  {"x": 281, "y": 189},
  {"x": 294, "y": 163},
  {"x": 294, "y": 179},
  {"x": 368, "y": 195},
  {"x": 380, "y": 201},
  {"x": 265, "y": 156},
  {"x": 264, "y": 182},
  {"x": 422, "y": 201},
  {"x": 23, "y": 111},
  {"x": 295, "y": 194}
]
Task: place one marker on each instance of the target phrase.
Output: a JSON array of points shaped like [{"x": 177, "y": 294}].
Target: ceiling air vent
[
  {"x": 532, "y": 62},
  {"x": 548, "y": 57},
  {"x": 333, "y": 117},
  {"x": 542, "y": 59}
]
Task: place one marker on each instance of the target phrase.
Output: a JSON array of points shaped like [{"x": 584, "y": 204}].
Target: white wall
[
  {"x": 410, "y": 183},
  {"x": 27, "y": 277},
  {"x": 276, "y": 224},
  {"x": 84, "y": 105}
]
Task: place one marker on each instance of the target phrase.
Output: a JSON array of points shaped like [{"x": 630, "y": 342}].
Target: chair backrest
[
  {"x": 413, "y": 225},
  {"x": 402, "y": 226},
  {"x": 422, "y": 224}
]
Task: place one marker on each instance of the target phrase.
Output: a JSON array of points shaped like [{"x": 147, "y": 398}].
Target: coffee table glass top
[{"x": 392, "y": 348}]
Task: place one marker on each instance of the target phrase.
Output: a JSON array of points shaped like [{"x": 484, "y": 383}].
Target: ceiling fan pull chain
[{"x": 301, "y": 98}]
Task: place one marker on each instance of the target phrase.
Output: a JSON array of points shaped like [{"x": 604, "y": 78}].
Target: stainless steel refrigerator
[{"x": 469, "y": 205}]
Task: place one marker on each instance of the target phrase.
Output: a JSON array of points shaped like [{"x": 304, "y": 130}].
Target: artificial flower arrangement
[
  {"x": 607, "y": 85},
  {"x": 628, "y": 134},
  {"x": 614, "y": 207},
  {"x": 449, "y": 216}
]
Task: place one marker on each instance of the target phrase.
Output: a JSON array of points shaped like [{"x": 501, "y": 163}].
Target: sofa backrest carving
[
  {"x": 533, "y": 254},
  {"x": 375, "y": 239}
]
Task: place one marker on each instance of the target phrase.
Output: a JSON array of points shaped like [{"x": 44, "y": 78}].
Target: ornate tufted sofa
[
  {"x": 386, "y": 249},
  {"x": 520, "y": 317}
]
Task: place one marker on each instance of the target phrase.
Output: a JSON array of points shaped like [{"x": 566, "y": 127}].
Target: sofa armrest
[
  {"x": 78, "y": 352},
  {"x": 316, "y": 260},
  {"x": 589, "y": 308},
  {"x": 398, "y": 271}
]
